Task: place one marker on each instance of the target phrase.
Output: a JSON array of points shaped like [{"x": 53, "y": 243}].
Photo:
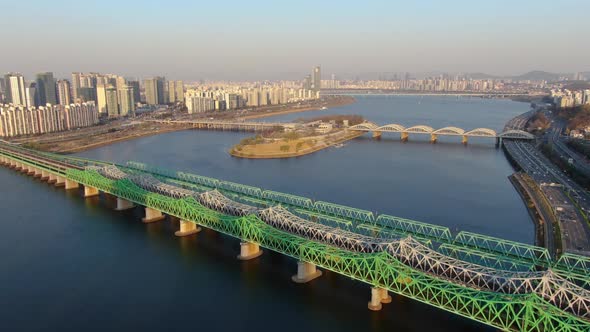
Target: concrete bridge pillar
[
  {"x": 376, "y": 134},
  {"x": 306, "y": 272},
  {"x": 123, "y": 204},
  {"x": 71, "y": 184},
  {"x": 52, "y": 178},
  {"x": 498, "y": 142},
  {"x": 249, "y": 250},
  {"x": 433, "y": 138},
  {"x": 464, "y": 139},
  {"x": 152, "y": 215},
  {"x": 38, "y": 172},
  {"x": 404, "y": 136},
  {"x": 59, "y": 181},
  {"x": 44, "y": 175},
  {"x": 187, "y": 228},
  {"x": 376, "y": 297},
  {"x": 90, "y": 191},
  {"x": 32, "y": 171}
]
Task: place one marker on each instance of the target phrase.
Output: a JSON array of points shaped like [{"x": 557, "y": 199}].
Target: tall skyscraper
[
  {"x": 316, "y": 79},
  {"x": 112, "y": 101},
  {"x": 175, "y": 91},
  {"x": 63, "y": 92},
  {"x": 76, "y": 85},
  {"x": 126, "y": 102},
  {"x": 46, "y": 89},
  {"x": 136, "y": 92},
  {"x": 32, "y": 96},
  {"x": 154, "y": 91},
  {"x": 307, "y": 83},
  {"x": 101, "y": 98},
  {"x": 15, "y": 89},
  {"x": 2, "y": 90}
]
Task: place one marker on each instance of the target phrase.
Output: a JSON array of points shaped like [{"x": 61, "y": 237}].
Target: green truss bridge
[{"x": 508, "y": 285}]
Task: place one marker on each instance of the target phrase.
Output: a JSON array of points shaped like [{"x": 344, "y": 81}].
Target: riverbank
[
  {"x": 127, "y": 129},
  {"x": 334, "y": 102},
  {"x": 525, "y": 190},
  {"x": 307, "y": 145}
]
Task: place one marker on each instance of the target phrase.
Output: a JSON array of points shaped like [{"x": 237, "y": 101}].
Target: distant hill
[{"x": 538, "y": 75}]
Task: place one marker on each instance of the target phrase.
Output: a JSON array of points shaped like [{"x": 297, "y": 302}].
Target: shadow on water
[{"x": 74, "y": 264}]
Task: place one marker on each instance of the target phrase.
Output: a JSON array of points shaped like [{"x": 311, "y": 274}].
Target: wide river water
[{"x": 71, "y": 264}]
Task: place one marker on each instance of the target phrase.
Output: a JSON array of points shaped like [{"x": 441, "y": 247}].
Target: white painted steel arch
[
  {"x": 420, "y": 130},
  {"x": 518, "y": 134},
  {"x": 365, "y": 126},
  {"x": 481, "y": 132},
  {"x": 449, "y": 131},
  {"x": 392, "y": 127}
]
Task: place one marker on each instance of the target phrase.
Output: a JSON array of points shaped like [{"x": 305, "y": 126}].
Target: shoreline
[
  {"x": 350, "y": 101},
  {"x": 234, "y": 153},
  {"x": 60, "y": 144}
]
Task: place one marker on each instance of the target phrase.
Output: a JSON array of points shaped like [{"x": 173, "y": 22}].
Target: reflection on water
[{"x": 74, "y": 264}]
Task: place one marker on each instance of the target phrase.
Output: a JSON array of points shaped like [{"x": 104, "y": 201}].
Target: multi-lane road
[{"x": 563, "y": 194}]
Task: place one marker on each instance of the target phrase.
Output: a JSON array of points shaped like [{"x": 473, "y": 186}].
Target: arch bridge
[{"x": 434, "y": 133}]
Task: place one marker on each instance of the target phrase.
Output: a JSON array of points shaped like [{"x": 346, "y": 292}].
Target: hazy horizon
[{"x": 258, "y": 40}]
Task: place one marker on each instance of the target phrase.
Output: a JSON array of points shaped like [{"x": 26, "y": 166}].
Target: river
[{"x": 71, "y": 264}]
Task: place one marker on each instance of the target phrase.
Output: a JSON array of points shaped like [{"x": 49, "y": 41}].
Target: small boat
[{"x": 339, "y": 145}]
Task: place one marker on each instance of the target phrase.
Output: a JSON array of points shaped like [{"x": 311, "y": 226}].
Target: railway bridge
[{"x": 508, "y": 285}]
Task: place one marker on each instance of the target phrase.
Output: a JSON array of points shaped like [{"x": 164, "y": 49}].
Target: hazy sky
[{"x": 257, "y": 39}]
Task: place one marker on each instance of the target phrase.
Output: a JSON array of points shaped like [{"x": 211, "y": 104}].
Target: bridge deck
[{"x": 487, "y": 284}]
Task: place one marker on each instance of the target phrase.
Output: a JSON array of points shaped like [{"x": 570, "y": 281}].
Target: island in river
[{"x": 306, "y": 137}]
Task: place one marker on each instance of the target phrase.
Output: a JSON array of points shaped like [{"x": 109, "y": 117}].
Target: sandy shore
[{"x": 94, "y": 137}]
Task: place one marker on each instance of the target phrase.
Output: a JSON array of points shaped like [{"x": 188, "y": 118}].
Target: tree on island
[{"x": 284, "y": 148}]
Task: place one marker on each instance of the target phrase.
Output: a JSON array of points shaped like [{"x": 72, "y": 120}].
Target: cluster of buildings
[
  {"x": 564, "y": 98},
  {"x": 442, "y": 83},
  {"x": 230, "y": 96},
  {"x": 17, "y": 120},
  {"x": 26, "y": 106}
]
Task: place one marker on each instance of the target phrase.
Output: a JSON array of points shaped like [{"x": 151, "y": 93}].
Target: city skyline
[{"x": 271, "y": 41}]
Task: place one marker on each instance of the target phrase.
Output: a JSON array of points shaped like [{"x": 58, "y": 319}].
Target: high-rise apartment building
[
  {"x": 14, "y": 89},
  {"x": 316, "y": 79},
  {"x": 32, "y": 96},
  {"x": 63, "y": 92},
  {"x": 126, "y": 101},
  {"x": 46, "y": 89},
  {"x": 155, "y": 91},
  {"x": 112, "y": 101},
  {"x": 136, "y": 92},
  {"x": 101, "y": 98},
  {"x": 175, "y": 91}
]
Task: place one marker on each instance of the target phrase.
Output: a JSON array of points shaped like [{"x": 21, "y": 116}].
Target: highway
[{"x": 555, "y": 185}]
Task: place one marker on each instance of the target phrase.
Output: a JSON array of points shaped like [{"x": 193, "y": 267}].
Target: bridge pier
[
  {"x": 378, "y": 297},
  {"x": 71, "y": 184},
  {"x": 60, "y": 181},
  {"x": 44, "y": 175},
  {"x": 152, "y": 215},
  {"x": 187, "y": 228},
  {"x": 249, "y": 250},
  {"x": 123, "y": 204},
  {"x": 90, "y": 191},
  {"x": 404, "y": 136},
  {"x": 376, "y": 134},
  {"x": 464, "y": 139},
  {"x": 38, "y": 173},
  {"x": 498, "y": 142},
  {"x": 306, "y": 272},
  {"x": 433, "y": 138},
  {"x": 52, "y": 178}
]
